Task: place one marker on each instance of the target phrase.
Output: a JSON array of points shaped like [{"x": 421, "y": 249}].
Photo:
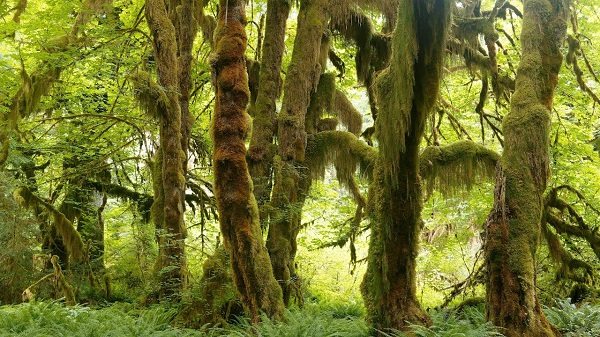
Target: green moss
[
  {"x": 456, "y": 166},
  {"x": 342, "y": 149},
  {"x": 394, "y": 89},
  {"x": 70, "y": 236},
  {"x": 347, "y": 113}
]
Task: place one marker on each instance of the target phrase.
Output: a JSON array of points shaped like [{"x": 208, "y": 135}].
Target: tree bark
[
  {"x": 513, "y": 227},
  {"x": 291, "y": 177},
  {"x": 237, "y": 206}
]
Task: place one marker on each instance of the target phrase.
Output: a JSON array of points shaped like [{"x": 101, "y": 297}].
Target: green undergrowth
[
  {"x": 575, "y": 321},
  {"x": 53, "y": 319}
]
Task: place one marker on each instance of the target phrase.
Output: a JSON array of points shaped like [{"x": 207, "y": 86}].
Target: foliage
[
  {"x": 575, "y": 321},
  {"x": 470, "y": 322},
  {"x": 52, "y": 319}
]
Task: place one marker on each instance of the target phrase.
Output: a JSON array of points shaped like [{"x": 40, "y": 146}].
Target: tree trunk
[
  {"x": 172, "y": 28},
  {"x": 238, "y": 211},
  {"x": 407, "y": 91},
  {"x": 262, "y": 149},
  {"x": 513, "y": 227},
  {"x": 290, "y": 174}
]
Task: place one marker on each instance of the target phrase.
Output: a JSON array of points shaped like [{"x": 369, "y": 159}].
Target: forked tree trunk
[
  {"x": 407, "y": 91},
  {"x": 238, "y": 211},
  {"x": 262, "y": 149},
  {"x": 513, "y": 227},
  {"x": 291, "y": 177}
]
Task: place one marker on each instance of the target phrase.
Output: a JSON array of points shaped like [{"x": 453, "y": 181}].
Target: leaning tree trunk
[
  {"x": 407, "y": 91},
  {"x": 172, "y": 30},
  {"x": 238, "y": 211},
  {"x": 513, "y": 227},
  {"x": 262, "y": 149},
  {"x": 290, "y": 173}
]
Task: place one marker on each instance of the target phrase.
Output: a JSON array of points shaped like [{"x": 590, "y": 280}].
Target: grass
[{"x": 52, "y": 319}]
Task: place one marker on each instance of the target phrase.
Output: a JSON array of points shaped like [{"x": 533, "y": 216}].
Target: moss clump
[
  {"x": 150, "y": 95},
  {"x": 347, "y": 113},
  {"x": 320, "y": 101},
  {"x": 456, "y": 166},
  {"x": 342, "y": 149}
]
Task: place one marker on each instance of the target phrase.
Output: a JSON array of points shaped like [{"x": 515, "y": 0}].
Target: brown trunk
[
  {"x": 407, "y": 91},
  {"x": 238, "y": 210},
  {"x": 513, "y": 227},
  {"x": 262, "y": 149},
  {"x": 291, "y": 176}
]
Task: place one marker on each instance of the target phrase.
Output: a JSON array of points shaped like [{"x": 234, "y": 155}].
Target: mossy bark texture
[
  {"x": 407, "y": 91},
  {"x": 262, "y": 149},
  {"x": 291, "y": 177},
  {"x": 173, "y": 30},
  {"x": 513, "y": 227},
  {"x": 238, "y": 209}
]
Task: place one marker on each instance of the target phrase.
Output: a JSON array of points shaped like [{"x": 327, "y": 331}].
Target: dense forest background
[{"x": 307, "y": 168}]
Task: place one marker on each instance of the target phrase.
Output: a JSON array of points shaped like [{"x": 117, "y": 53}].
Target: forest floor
[{"x": 53, "y": 319}]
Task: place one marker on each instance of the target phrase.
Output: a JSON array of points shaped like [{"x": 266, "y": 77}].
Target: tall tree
[
  {"x": 407, "y": 91},
  {"x": 291, "y": 177},
  {"x": 264, "y": 110},
  {"x": 173, "y": 29},
  {"x": 513, "y": 227},
  {"x": 239, "y": 218}
]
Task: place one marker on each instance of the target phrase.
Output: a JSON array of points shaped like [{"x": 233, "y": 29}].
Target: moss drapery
[
  {"x": 239, "y": 218},
  {"x": 513, "y": 227},
  {"x": 407, "y": 91}
]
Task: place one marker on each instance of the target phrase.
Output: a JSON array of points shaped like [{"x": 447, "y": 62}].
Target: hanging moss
[
  {"x": 150, "y": 95},
  {"x": 321, "y": 101},
  {"x": 406, "y": 92},
  {"x": 342, "y": 149},
  {"x": 70, "y": 237},
  {"x": 456, "y": 166},
  {"x": 356, "y": 26},
  {"x": 347, "y": 113},
  {"x": 395, "y": 90}
]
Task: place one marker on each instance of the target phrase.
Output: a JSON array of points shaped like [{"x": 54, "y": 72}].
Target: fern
[
  {"x": 469, "y": 323},
  {"x": 572, "y": 321}
]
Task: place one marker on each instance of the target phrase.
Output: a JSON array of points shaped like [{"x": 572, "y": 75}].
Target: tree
[
  {"x": 407, "y": 92},
  {"x": 173, "y": 29},
  {"x": 264, "y": 109},
  {"x": 291, "y": 177},
  {"x": 239, "y": 220},
  {"x": 513, "y": 226}
]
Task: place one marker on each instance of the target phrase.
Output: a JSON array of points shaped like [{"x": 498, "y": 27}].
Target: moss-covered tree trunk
[
  {"x": 262, "y": 149},
  {"x": 513, "y": 227},
  {"x": 290, "y": 173},
  {"x": 238, "y": 211},
  {"x": 407, "y": 91},
  {"x": 173, "y": 29}
]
